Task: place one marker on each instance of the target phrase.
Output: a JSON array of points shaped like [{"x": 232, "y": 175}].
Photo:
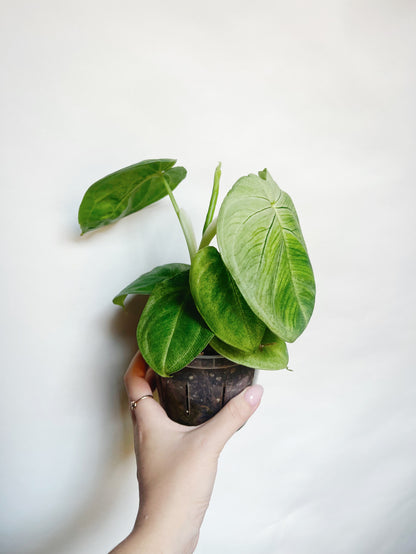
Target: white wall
[{"x": 322, "y": 93}]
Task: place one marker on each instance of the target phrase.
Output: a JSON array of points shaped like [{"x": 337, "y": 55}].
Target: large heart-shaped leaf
[
  {"x": 271, "y": 354},
  {"x": 220, "y": 302},
  {"x": 127, "y": 191},
  {"x": 171, "y": 332},
  {"x": 147, "y": 282},
  {"x": 262, "y": 246}
]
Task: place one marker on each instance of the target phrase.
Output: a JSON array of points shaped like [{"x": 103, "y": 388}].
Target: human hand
[{"x": 176, "y": 466}]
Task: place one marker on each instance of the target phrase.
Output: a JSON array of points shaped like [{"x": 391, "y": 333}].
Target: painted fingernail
[{"x": 253, "y": 394}]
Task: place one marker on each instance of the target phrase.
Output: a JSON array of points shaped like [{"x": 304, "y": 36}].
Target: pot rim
[{"x": 217, "y": 360}]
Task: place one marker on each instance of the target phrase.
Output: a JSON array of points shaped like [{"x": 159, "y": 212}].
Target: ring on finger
[{"x": 134, "y": 403}]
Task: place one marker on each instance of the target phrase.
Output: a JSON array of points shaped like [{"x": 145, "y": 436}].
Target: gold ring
[{"x": 134, "y": 403}]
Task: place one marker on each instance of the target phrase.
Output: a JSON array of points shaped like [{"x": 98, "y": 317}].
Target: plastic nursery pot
[{"x": 198, "y": 391}]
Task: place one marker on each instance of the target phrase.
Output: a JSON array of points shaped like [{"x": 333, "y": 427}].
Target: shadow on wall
[{"x": 90, "y": 514}]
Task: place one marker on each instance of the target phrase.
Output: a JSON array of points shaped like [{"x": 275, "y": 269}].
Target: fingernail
[{"x": 253, "y": 394}]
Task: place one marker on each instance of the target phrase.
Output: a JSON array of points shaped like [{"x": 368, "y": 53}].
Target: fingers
[
  {"x": 134, "y": 378},
  {"x": 151, "y": 378},
  {"x": 138, "y": 382},
  {"x": 233, "y": 415}
]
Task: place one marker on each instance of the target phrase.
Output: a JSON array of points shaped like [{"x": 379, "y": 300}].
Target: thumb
[{"x": 233, "y": 415}]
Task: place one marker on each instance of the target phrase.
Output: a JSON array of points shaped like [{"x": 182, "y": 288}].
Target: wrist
[
  {"x": 154, "y": 540},
  {"x": 155, "y": 534}
]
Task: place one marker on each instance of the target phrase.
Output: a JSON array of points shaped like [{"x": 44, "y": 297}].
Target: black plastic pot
[{"x": 197, "y": 392}]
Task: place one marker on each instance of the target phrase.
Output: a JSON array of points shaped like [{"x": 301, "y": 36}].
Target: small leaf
[
  {"x": 127, "y": 191},
  {"x": 214, "y": 198},
  {"x": 147, "y": 282},
  {"x": 220, "y": 302},
  {"x": 171, "y": 332},
  {"x": 271, "y": 354},
  {"x": 261, "y": 243}
]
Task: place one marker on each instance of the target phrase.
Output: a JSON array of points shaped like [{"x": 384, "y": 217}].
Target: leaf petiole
[
  {"x": 209, "y": 234},
  {"x": 184, "y": 221}
]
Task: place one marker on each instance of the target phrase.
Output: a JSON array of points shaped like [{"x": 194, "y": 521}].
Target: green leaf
[
  {"x": 171, "y": 333},
  {"x": 271, "y": 354},
  {"x": 261, "y": 243},
  {"x": 127, "y": 191},
  {"x": 220, "y": 302},
  {"x": 147, "y": 282}
]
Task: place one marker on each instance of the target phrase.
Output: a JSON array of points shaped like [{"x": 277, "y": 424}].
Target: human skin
[{"x": 176, "y": 466}]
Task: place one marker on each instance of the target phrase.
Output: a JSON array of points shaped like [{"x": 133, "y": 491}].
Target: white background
[{"x": 322, "y": 93}]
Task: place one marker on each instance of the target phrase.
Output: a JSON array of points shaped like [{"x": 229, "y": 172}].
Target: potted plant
[{"x": 231, "y": 310}]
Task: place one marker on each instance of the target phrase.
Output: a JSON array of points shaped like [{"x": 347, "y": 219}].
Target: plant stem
[
  {"x": 184, "y": 221},
  {"x": 214, "y": 197},
  {"x": 209, "y": 234}
]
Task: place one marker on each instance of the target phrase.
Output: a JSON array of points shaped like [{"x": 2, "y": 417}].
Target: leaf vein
[
  {"x": 265, "y": 240},
  {"x": 168, "y": 342}
]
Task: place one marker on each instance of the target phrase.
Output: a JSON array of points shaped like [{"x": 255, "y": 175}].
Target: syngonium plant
[{"x": 245, "y": 299}]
